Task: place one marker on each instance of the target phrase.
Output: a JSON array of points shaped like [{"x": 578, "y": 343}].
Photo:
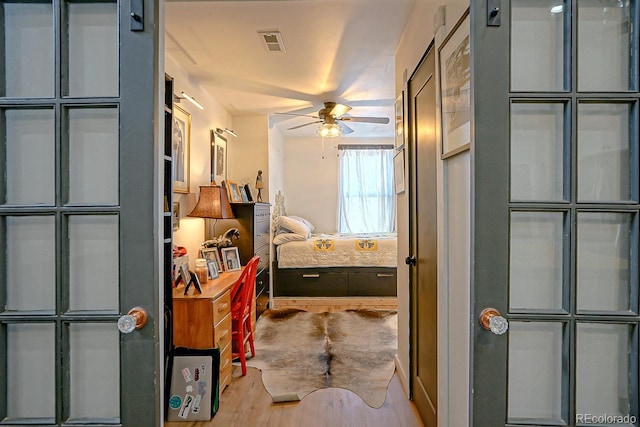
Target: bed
[{"x": 331, "y": 265}]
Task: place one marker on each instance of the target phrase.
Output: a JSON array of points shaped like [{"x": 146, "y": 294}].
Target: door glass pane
[
  {"x": 603, "y": 375},
  {"x": 93, "y": 156},
  {"x": 603, "y": 257},
  {"x": 535, "y": 371},
  {"x": 604, "y": 154},
  {"x": 31, "y": 391},
  {"x": 537, "y": 45},
  {"x": 604, "y": 48},
  {"x": 93, "y": 49},
  {"x": 93, "y": 262},
  {"x": 31, "y": 263},
  {"x": 30, "y": 157},
  {"x": 537, "y": 152},
  {"x": 94, "y": 371},
  {"x": 535, "y": 264},
  {"x": 28, "y": 49}
]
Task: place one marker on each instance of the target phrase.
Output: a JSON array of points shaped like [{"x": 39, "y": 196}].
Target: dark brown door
[{"x": 423, "y": 260}]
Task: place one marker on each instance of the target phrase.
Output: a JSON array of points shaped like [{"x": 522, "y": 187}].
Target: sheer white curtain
[{"x": 366, "y": 196}]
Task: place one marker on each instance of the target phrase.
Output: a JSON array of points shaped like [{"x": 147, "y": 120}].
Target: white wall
[
  {"x": 311, "y": 178},
  {"x": 454, "y": 285},
  {"x": 191, "y": 232},
  {"x": 249, "y": 152},
  {"x": 276, "y": 164}
]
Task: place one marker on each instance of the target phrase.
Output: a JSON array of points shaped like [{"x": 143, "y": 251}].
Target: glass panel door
[
  {"x": 557, "y": 213},
  {"x": 69, "y": 215}
]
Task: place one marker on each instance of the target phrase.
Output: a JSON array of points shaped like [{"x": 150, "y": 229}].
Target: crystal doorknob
[
  {"x": 136, "y": 318},
  {"x": 491, "y": 320}
]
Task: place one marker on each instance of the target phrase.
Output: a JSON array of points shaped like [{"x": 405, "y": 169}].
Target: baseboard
[{"x": 402, "y": 375}]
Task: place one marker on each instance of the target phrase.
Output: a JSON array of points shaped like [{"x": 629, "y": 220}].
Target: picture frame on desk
[
  {"x": 212, "y": 254},
  {"x": 231, "y": 259},
  {"x": 212, "y": 267}
]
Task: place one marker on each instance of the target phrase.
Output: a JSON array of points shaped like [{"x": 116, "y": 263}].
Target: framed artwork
[
  {"x": 398, "y": 171},
  {"x": 399, "y": 134},
  {"x": 455, "y": 89},
  {"x": 243, "y": 193},
  {"x": 180, "y": 144},
  {"x": 247, "y": 190},
  {"x": 235, "y": 196},
  {"x": 231, "y": 258},
  {"x": 212, "y": 267},
  {"x": 218, "y": 158},
  {"x": 175, "y": 215},
  {"x": 212, "y": 254}
]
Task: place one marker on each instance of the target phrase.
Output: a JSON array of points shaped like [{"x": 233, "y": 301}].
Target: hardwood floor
[{"x": 246, "y": 403}]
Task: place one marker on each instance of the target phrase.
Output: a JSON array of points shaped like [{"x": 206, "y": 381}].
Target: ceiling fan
[{"x": 332, "y": 117}]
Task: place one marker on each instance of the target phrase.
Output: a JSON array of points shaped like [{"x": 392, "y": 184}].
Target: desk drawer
[
  {"x": 222, "y": 332},
  {"x": 221, "y": 307},
  {"x": 225, "y": 367}
]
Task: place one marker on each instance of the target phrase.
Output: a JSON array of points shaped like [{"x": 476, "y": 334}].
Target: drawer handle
[
  {"x": 223, "y": 307},
  {"x": 310, "y": 276},
  {"x": 384, "y": 275},
  {"x": 226, "y": 362},
  {"x": 223, "y": 334}
]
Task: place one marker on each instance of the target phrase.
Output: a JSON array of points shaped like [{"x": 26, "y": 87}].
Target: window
[{"x": 366, "y": 197}]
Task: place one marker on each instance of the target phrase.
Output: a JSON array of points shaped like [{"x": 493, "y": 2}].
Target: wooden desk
[{"x": 204, "y": 320}]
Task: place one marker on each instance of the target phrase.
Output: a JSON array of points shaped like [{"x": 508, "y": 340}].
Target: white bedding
[{"x": 340, "y": 250}]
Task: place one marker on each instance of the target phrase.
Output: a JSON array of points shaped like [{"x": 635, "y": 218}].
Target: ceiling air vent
[{"x": 272, "y": 40}]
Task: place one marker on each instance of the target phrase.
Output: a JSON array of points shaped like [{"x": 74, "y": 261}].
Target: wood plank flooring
[{"x": 246, "y": 403}]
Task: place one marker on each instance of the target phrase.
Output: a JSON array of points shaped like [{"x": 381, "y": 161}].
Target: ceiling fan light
[{"x": 329, "y": 130}]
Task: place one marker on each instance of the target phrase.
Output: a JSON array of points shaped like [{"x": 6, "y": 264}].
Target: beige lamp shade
[{"x": 213, "y": 203}]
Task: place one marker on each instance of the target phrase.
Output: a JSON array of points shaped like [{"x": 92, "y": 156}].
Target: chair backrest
[{"x": 242, "y": 291}]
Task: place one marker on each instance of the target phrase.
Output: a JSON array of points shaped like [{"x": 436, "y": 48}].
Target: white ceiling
[{"x": 336, "y": 50}]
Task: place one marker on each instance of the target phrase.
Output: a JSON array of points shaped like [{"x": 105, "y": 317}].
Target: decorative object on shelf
[
  {"x": 224, "y": 240},
  {"x": 218, "y": 157},
  {"x": 455, "y": 88},
  {"x": 180, "y": 142},
  {"x": 243, "y": 193},
  {"x": 259, "y": 186},
  {"x": 231, "y": 259},
  {"x": 234, "y": 191},
  {"x": 175, "y": 214}
]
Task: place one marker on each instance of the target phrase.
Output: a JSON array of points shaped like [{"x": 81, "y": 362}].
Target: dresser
[
  {"x": 203, "y": 321},
  {"x": 253, "y": 220}
]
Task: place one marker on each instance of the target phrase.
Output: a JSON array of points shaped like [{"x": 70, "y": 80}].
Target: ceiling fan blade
[
  {"x": 295, "y": 114},
  {"x": 338, "y": 109},
  {"x": 345, "y": 129},
  {"x": 306, "y": 124},
  {"x": 381, "y": 120}
]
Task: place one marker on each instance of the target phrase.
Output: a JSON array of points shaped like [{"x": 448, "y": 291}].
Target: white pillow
[
  {"x": 287, "y": 237},
  {"x": 294, "y": 226},
  {"x": 304, "y": 221}
]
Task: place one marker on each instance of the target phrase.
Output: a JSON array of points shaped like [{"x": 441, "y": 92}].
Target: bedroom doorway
[{"x": 423, "y": 238}]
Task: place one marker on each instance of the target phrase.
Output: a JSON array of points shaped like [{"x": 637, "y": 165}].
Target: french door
[
  {"x": 556, "y": 212},
  {"x": 78, "y": 213}
]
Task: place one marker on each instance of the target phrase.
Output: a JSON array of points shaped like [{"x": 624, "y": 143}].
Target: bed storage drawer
[
  {"x": 374, "y": 284},
  {"x": 311, "y": 284}
]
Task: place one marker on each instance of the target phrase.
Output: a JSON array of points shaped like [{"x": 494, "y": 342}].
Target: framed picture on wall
[
  {"x": 455, "y": 88},
  {"x": 399, "y": 134},
  {"x": 218, "y": 158},
  {"x": 180, "y": 143},
  {"x": 398, "y": 171}
]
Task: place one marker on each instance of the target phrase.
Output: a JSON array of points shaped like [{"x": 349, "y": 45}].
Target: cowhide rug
[{"x": 299, "y": 352}]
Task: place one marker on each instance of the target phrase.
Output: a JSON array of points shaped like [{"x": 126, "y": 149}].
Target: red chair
[{"x": 241, "y": 330}]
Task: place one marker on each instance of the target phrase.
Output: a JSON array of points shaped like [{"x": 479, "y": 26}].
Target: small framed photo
[
  {"x": 212, "y": 254},
  {"x": 243, "y": 193},
  {"x": 212, "y": 267},
  {"x": 185, "y": 274},
  {"x": 234, "y": 192},
  {"x": 247, "y": 190},
  {"x": 231, "y": 258}
]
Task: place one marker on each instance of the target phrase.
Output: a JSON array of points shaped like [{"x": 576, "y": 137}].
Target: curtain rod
[{"x": 365, "y": 147}]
